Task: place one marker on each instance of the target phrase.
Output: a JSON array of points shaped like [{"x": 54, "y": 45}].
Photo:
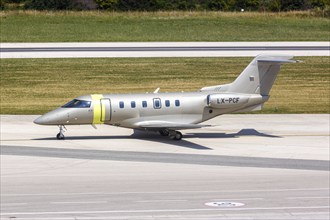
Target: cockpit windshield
[{"x": 77, "y": 104}]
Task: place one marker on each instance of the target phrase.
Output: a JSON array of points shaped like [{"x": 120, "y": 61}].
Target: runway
[
  {"x": 242, "y": 168},
  {"x": 162, "y": 49}
]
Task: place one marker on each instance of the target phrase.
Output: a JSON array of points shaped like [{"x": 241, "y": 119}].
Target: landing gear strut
[
  {"x": 164, "y": 132},
  {"x": 174, "y": 135},
  {"x": 60, "y": 135}
]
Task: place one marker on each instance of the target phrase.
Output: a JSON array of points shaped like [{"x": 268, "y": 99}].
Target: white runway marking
[
  {"x": 240, "y": 199},
  {"x": 225, "y": 204}
]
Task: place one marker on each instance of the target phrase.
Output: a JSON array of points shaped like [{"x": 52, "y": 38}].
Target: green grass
[
  {"x": 35, "y": 86},
  {"x": 33, "y": 26}
]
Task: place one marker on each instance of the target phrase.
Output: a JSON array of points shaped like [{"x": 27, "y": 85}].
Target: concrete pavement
[{"x": 40, "y": 179}]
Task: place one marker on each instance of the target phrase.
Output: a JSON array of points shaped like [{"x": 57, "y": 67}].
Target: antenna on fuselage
[{"x": 157, "y": 90}]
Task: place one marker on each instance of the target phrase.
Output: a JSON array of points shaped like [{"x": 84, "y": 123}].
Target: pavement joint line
[
  {"x": 80, "y": 202},
  {"x": 195, "y": 217},
  {"x": 165, "y": 200},
  {"x": 162, "y": 210},
  {"x": 13, "y": 204},
  {"x": 312, "y": 197},
  {"x": 168, "y": 192}
]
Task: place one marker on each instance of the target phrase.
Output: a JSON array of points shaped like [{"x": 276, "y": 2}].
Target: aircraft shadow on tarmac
[
  {"x": 243, "y": 132},
  {"x": 154, "y": 137}
]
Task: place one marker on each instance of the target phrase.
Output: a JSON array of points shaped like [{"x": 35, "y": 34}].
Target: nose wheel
[{"x": 60, "y": 135}]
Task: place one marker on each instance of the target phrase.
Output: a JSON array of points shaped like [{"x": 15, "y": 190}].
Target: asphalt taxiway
[
  {"x": 244, "y": 167},
  {"x": 161, "y": 49}
]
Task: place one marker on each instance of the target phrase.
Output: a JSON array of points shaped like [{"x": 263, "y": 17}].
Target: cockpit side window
[{"x": 77, "y": 104}]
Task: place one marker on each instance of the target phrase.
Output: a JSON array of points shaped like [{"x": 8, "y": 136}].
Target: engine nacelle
[{"x": 227, "y": 100}]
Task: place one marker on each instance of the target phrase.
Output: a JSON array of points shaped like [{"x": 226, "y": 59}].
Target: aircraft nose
[
  {"x": 40, "y": 120},
  {"x": 56, "y": 117}
]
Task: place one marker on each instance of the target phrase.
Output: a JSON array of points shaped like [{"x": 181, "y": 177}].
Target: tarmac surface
[
  {"x": 244, "y": 167},
  {"x": 161, "y": 49}
]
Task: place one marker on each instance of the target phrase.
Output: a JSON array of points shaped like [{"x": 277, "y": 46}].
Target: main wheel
[
  {"x": 60, "y": 136},
  {"x": 178, "y": 136},
  {"x": 175, "y": 135}
]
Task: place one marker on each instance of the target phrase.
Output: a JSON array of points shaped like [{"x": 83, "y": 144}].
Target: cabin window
[
  {"x": 133, "y": 105},
  {"x": 121, "y": 104},
  {"x": 177, "y": 103},
  {"x": 77, "y": 104},
  {"x": 167, "y": 103},
  {"x": 157, "y": 103},
  {"x": 144, "y": 104}
]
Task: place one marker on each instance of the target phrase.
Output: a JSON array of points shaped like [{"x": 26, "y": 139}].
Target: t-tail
[{"x": 256, "y": 79}]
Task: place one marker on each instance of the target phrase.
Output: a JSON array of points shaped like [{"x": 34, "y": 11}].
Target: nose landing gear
[{"x": 60, "y": 135}]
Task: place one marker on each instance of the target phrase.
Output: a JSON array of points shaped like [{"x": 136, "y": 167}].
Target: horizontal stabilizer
[{"x": 278, "y": 61}]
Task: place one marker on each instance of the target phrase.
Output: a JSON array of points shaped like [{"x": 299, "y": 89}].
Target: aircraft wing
[{"x": 155, "y": 125}]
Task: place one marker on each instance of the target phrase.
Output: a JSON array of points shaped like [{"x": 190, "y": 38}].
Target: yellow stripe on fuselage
[
  {"x": 103, "y": 113},
  {"x": 97, "y": 109}
]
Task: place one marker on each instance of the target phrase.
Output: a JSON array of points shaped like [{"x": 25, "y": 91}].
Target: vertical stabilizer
[{"x": 259, "y": 76}]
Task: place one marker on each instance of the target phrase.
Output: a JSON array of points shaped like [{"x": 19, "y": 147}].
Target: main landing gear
[
  {"x": 174, "y": 135},
  {"x": 60, "y": 135}
]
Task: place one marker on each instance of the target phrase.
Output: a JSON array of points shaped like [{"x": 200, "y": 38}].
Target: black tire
[
  {"x": 178, "y": 136},
  {"x": 60, "y": 136}
]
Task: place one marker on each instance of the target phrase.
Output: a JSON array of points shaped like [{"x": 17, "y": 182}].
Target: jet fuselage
[{"x": 128, "y": 110}]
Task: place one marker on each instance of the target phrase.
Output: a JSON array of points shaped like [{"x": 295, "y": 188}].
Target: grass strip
[
  {"x": 35, "y": 86},
  {"x": 96, "y": 26}
]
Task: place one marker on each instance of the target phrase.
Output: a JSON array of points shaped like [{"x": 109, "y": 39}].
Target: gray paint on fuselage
[{"x": 190, "y": 110}]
